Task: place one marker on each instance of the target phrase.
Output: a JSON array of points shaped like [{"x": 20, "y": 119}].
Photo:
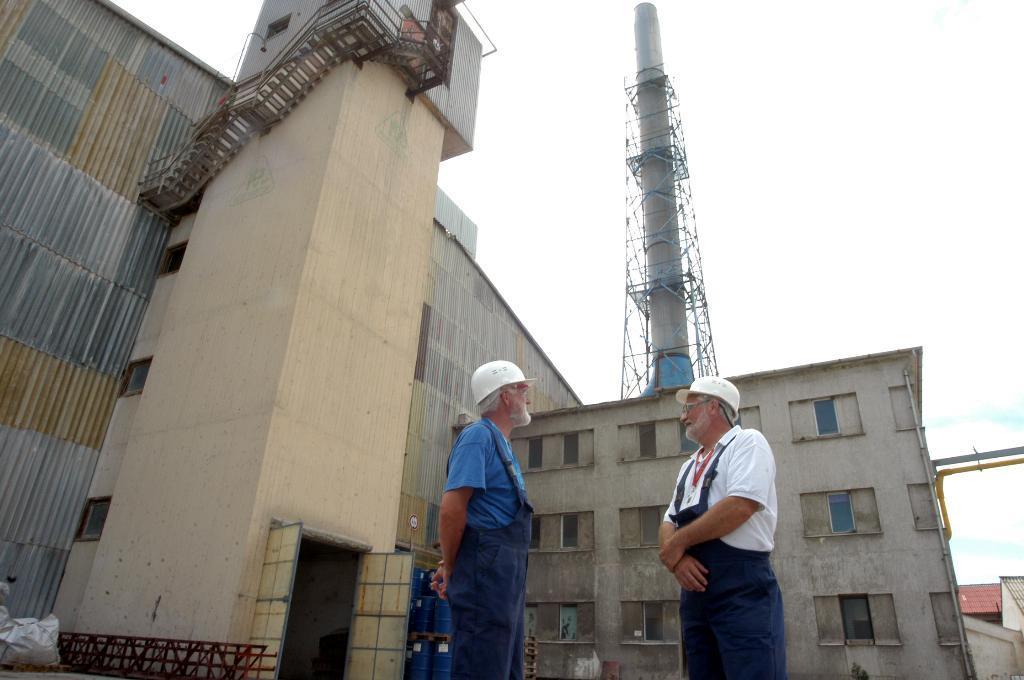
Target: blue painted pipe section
[{"x": 670, "y": 371}]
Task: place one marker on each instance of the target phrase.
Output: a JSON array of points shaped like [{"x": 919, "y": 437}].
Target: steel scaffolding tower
[{"x": 679, "y": 280}]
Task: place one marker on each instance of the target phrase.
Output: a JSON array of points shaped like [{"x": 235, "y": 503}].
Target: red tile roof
[{"x": 980, "y": 599}]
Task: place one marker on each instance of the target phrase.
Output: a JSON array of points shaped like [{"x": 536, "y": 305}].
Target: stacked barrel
[{"x": 428, "y": 653}]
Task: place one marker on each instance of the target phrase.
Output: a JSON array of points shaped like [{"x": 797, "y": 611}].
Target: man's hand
[
  {"x": 672, "y": 550},
  {"x": 440, "y": 580},
  {"x": 691, "y": 574}
]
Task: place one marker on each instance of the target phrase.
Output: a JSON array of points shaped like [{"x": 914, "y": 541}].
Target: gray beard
[{"x": 521, "y": 419}]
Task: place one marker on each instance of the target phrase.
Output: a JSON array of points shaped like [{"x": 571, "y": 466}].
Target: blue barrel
[
  {"x": 420, "y": 580},
  {"x": 423, "y": 614},
  {"x": 428, "y": 578},
  {"x": 442, "y": 617},
  {"x": 422, "y": 655},
  {"x": 442, "y": 661}
]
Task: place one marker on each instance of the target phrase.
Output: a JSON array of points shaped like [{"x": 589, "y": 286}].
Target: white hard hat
[
  {"x": 713, "y": 386},
  {"x": 495, "y": 375}
]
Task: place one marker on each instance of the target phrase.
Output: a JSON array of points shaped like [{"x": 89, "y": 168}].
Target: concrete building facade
[{"x": 859, "y": 554}]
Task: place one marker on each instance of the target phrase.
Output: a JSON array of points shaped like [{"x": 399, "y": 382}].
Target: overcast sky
[{"x": 857, "y": 178}]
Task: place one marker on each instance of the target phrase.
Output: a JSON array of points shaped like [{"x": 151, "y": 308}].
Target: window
[
  {"x": 856, "y": 617},
  {"x": 650, "y": 524},
  {"x": 567, "y": 622},
  {"x": 536, "y": 460},
  {"x": 570, "y": 531},
  {"x": 571, "y": 449},
  {"x": 648, "y": 441},
  {"x": 825, "y": 417},
  {"x": 278, "y": 26},
  {"x": 173, "y": 258},
  {"x": 654, "y": 621},
  {"x": 135, "y": 377},
  {"x": 840, "y": 512},
  {"x": 686, "y": 445},
  {"x": 922, "y": 506},
  {"x": 534, "y": 532},
  {"x": 530, "y": 620},
  {"x": 93, "y": 519}
]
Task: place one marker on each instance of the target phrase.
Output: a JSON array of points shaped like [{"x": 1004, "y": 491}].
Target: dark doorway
[{"x": 320, "y": 612}]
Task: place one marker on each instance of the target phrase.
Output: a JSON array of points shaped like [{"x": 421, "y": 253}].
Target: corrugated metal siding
[
  {"x": 457, "y": 101},
  {"x": 80, "y": 85},
  {"x": 451, "y": 217},
  {"x": 52, "y": 64},
  {"x": 38, "y": 570},
  {"x": 11, "y": 14},
  {"x": 54, "y": 305},
  {"x": 468, "y": 325},
  {"x": 43, "y": 486},
  {"x": 42, "y": 393},
  {"x": 118, "y": 131}
]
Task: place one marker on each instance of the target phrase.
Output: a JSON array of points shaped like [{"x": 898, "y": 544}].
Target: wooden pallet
[
  {"x": 29, "y": 668},
  {"x": 430, "y": 637}
]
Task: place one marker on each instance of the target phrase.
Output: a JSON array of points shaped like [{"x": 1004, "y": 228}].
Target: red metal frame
[{"x": 163, "y": 658}]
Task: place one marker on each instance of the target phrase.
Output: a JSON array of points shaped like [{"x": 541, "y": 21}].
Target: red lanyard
[{"x": 700, "y": 468}]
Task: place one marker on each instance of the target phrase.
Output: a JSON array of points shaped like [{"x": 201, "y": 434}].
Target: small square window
[
  {"x": 135, "y": 377},
  {"x": 825, "y": 417},
  {"x": 654, "y": 621},
  {"x": 530, "y": 620},
  {"x": 173, "y": 257},
  {"x": 856, "y": 617},
  {"x": 536, "y": 460},
  {"x": 93, "y": 519},
  {"x": 567, "y": 620},
  {"x": 571, "y": 449},
  {"x": 686, "y": 445},
  {"x": 650, "y": 524},
  {"x": 840, "y": 512},
  {"x": 570, "y": 531},
  {"x": 278, "y": 26},
  {"x": 534, "y": 532},
  {"x": 648, "y": 441}
]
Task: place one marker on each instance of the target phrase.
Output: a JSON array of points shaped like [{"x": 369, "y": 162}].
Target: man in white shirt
[{"x": 717, "y": 537}]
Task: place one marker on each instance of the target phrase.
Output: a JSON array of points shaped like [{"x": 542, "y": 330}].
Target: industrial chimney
[
  {"x": 669, "y": 348},
  {"x": 667, "y": 332}
]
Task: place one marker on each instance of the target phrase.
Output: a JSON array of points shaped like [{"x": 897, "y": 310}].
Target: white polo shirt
[{"x": 747, "y": 470}]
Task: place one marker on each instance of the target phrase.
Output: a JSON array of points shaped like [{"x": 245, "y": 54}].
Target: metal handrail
[{"x": 322, "y": 18}]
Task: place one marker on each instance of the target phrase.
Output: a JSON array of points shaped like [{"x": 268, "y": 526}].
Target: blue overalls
[
  {"x": 488, "y": 595},
  {"x": 734, "y": 629}
]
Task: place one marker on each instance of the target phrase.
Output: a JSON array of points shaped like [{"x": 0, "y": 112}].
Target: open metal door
[
  {"x": 272, "y": 600},
  {"x": 380, "y": 617}
]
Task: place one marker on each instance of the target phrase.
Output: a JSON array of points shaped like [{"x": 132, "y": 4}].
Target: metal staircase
[{"x": 341, "y": 30}]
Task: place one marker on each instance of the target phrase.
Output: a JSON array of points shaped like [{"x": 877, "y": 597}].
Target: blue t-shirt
[{"x": 475, "y": 463}]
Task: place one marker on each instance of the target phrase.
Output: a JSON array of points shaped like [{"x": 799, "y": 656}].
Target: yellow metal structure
[{"x": 942, "y": 474}]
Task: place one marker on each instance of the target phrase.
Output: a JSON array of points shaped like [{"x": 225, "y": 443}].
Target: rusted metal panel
[
  {"x": 118, "y": 130},
  {"x": 42, "y": 393}
]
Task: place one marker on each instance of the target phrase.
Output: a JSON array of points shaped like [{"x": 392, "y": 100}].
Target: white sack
[{"x": 28, "y": 641}]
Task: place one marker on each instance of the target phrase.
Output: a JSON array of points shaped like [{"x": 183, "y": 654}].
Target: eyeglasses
[{"x": 689, "y": 407}]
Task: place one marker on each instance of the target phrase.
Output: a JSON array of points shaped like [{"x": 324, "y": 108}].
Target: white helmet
[
  {"x": 495, "y": 375},
  {"x": 713, "y": 386}
]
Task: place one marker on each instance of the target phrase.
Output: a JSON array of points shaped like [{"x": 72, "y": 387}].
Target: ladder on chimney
[{"x": 359, "y": 30}]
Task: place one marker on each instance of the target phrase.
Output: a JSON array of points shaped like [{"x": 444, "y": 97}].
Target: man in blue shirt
[{"x": 485, "y": 532}]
